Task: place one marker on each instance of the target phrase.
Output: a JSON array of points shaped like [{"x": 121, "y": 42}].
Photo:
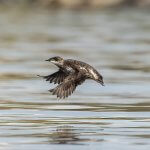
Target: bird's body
[{"x": 71, "y": 73}]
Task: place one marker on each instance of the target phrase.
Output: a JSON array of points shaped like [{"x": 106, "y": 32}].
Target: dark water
[{"x": 116, "y": 116}]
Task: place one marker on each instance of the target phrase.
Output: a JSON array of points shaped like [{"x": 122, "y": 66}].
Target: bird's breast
[{"x": 68, "y": 69}]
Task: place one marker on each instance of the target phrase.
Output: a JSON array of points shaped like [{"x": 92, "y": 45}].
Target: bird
[{"x": 70, "y": 74}]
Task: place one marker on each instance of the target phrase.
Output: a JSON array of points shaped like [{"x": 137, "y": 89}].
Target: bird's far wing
[
  {"x": 67, "y": 87},
  {"x": 57, "y": 77}
]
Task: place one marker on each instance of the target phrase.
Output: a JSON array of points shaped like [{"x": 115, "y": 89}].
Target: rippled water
[{"x": 116, "y": 116}]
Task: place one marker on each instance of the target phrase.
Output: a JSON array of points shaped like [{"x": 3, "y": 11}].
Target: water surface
[{"x": 116, "y": 116}]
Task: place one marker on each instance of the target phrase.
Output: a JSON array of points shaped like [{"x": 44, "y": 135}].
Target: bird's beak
[{"x": 49, "y": 59}]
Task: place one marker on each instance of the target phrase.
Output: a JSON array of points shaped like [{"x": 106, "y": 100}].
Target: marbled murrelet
[{"x": 71, "y": 73}]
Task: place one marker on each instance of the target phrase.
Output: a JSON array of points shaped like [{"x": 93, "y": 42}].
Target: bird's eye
[{"x": 57, "y": 59}]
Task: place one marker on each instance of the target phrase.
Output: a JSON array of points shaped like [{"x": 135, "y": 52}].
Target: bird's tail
[{"x": 101, "y": 81}]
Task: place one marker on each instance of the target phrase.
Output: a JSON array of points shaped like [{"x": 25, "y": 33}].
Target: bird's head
[{"x": 56, "y": 60}]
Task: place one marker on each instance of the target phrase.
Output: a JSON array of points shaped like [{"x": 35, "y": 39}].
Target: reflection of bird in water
[
  {"x": 70, "y": 135},
  {"x": 64, "y": 135},
  {"x": 71, "y": 73}
]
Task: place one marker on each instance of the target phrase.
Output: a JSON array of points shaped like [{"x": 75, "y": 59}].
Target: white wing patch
[
  {"x": 91, "y": 71},
  {"x": 83, "y": 68},
  {"x": 94, "y": 74}
]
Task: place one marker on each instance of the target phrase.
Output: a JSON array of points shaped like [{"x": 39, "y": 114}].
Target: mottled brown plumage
[{"x": 71, "y": 73}]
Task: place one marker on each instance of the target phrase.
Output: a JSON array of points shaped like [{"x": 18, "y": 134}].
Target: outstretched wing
[
  {"x": 68, "y": 86},
  {"x": 57, "y": 77}
]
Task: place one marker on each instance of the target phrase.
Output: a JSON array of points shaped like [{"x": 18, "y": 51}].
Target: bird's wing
[
  {"x": 68, "y": 86},
  {"x": 57, "y": 77}
]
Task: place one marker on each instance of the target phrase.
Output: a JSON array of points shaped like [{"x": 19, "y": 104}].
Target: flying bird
[{"x": 71, "y": 73}]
